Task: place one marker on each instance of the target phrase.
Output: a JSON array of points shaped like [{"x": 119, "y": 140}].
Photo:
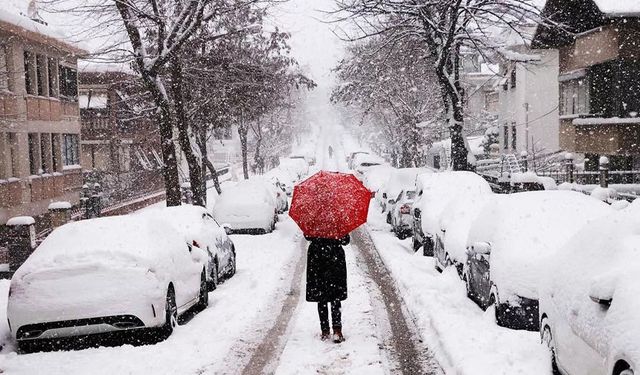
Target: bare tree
[{"x": 447, "y": 28}]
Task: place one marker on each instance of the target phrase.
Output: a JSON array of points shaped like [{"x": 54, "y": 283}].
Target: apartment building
[
  {"x": 39, "y": 117},
  {"x": 599, "y": 78}
]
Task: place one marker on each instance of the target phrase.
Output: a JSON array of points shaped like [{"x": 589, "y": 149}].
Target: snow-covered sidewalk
[{"x": 465, "y": 340}]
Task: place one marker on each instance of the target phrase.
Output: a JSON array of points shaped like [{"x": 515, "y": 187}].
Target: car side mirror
[
  {"x": 227, "y": 229},
  {"x": 384, "y": 195},
  {"x": 601, "y": 291},
  {"x": 416, "y": 213},
  {"x": 483, "y": 248}
]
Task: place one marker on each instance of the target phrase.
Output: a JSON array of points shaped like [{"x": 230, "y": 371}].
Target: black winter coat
[{"x": 326, "y": 270}]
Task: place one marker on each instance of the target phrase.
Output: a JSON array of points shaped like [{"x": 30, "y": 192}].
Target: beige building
[
  {"x": 599, "y": 78},
  {"x": 39, "y": 118}
]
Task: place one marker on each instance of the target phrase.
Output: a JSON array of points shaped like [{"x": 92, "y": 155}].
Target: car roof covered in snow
[
  {"x": 603, "y": 259},
  {"x": 367, "y": 158},
  {"x": 403, "y": 179},
  {"x": 377, "y": 176},
  {"x": 438, "y": 189},
  {"x": 526, "y": 230},
  {"x": 132, "y": 240}
]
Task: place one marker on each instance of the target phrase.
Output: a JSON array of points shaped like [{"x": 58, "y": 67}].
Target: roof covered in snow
[
  {"x": 21, "y": 17},
  {"x": 619, "y": 8}
]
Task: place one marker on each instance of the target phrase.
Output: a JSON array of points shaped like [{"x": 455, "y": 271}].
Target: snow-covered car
[
  {"x": 306, "y": 156},
  {"x": 280, "y": 196},
  {"x": 282, "y": 178},
  {"x": 400, "y": 214},
  {"x": 511, "y": 243},
  {"x": 589, "y": 306},
  {"x": 351, "y": 157},
  {"x": 450, "y": 245},
  {"x": 200, "y": 229},
  {"x": 362, "y": 163},
  {"x": 376, "y": 177},
  {"x": 103, "y": 276},
  {"x": 297, "y": 167},
  {"x": 400, "y": 180},
  {"x": 247, "y": 207},
  {"x": 434, "y": 193}
]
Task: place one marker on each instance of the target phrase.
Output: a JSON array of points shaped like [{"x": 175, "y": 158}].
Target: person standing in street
[{"x": 327, "y": 283}]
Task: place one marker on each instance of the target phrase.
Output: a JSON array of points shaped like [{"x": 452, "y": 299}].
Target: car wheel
[
  {"x": 499, "y": 310},
  {"x": 213, "y": 282},
  {"x": 203, "y": 294},
  {"x": 171, "y": 314},
  {"x": 416, "y": 244},
  {"x": 547, "y": 339},
  {"x": 625, "y": 372},
  {"x": 232, "y": 265}
]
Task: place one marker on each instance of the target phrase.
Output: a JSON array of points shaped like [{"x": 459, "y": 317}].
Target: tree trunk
[
  {"x": 455, "y": 117},
  {"x": 201, "y": 140},
  {"x": 242, "y": 132},
  {"x": 168, "y": 148},
  {"x": 195, "y": 172}
]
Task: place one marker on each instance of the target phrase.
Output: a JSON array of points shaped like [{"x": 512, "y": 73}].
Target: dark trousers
[{"x": 336, "y": 315}]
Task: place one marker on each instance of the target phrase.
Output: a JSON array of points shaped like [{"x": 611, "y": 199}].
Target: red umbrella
[{"x": 330, "y": 205}]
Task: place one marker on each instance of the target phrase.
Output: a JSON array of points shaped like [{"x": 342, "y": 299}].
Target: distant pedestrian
[
  {"x": 327, "y": 282},
  {"x": 330, "y": 151}
]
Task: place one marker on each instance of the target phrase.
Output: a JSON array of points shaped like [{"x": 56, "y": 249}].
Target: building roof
[
  {"x": 14, "y": 18},
  {"x": 619, "y": 8}
]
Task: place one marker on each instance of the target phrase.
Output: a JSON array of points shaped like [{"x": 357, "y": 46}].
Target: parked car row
[
  {"x": 557, "y": 262},
  {"x": 122, "y": 274}
]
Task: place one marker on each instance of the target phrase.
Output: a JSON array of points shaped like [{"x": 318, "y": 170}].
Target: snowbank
[
  {"x": 403, "y": 179},
  {"x": 525, "y": 230}
]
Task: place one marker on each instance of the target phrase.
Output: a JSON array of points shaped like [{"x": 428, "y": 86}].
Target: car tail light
[{"x": 405, "y": 209}]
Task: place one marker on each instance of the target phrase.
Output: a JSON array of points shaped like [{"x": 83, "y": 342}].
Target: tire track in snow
[
  {"x": 268, "y": 351},
  {"x": 409, "y": 352}
]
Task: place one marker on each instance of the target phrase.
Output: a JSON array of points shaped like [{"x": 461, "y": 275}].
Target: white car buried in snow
[
  {"x": 102, "y": 276},
  {"x": 247, "y": 207},
  {"x": 200, "y": 229},
  {"x": 513, "y": 240},
  {"x": 589, "y": 306}
]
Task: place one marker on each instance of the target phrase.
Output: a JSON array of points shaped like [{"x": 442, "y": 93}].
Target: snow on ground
[
  {"x": 465, "y": 339},
  {"x": 240, "y": 310},
  {"x": 359, "y": 354}
]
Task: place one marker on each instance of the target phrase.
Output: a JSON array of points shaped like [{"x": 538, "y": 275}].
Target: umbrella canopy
[{"x": 330, "y": 205}]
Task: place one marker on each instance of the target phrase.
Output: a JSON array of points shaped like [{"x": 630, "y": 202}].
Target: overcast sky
[{"x": 314, "y": 45}]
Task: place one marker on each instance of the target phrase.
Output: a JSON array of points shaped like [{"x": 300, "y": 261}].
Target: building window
[
  {"x": 505, "y": 137},
  {"x": 514, "y": 136},
  {"x": 574, "y": 97},
  {"x": 68, "y": 83},
  {"x": 125, "y": 158},
  {"x": 4, "y": 69},
  {"x": 70, "y": 149},
  {"x": 53, "y": 77},
  {"x": 55, "y": 145},
  {"x": 41, "y": 75},
  {"x": 34, "y": 154},
  {"x": 30, "y": 73}
]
